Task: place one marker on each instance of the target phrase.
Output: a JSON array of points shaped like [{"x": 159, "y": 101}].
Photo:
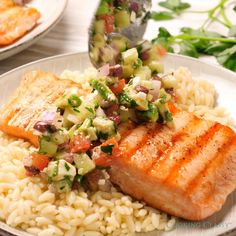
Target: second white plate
[{"x": 51, "y": 12}]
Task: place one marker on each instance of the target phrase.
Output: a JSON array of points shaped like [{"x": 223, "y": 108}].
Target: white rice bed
[{"x": 26, "y": 202}]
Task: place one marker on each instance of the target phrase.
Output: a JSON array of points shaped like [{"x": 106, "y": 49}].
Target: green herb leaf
[
  {"x": 163, "y": 32},
  {"x": 232, "y": 31},
  {"x": 162, "y": 15},
  {"x": 227, "y": 58},
  {"x": 188, "y": 49},
  {"x": 176, "y": 6},
  {"x": 234, "y": 8},
  {"x": 215, "y": 48},
  {"x": 107, "y": 149}
]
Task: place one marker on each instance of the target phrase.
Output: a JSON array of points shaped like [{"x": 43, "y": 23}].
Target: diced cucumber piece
[
  {"x": 63, "y": 186},
  {"x": 119, "y": 43},
  {"x": 124, "y": 99},
  {"x": 143, "y": 72},
  {"x": 103, "y": 8},
  {"x": 103, "y": 90},
  {"x": 124, "y": 114},
  {"x": 104, "y": 125},
  {"x": 164, "y": 96},
  {"x": 98, "y": 40},
  {"x": 122, "y": 19},
  {"x": 87, "y": 129},
  {"x": 94, "y": 53},
  {"x": 59, "y": 137},
  {"x": 83, "y": 163},
  {"x": 128, "y": 71},
  {"x": 57, "y": 170},
  {"x": 165, "y": 113},
  {"x": 69, "y": 117},
  {"x": 60, "y": 155},
  {"x": 169, "y": 82},
  {"x": 140, "y": 99},
  {"x": 63, "y": 101},
  {"x": 156, "y": 67},
  {"x": 47, "y": 146},
  {"x": 99, "y": 26},
  {"x": 130, "y": 56},
  {"x": 91, "y": 134},
  {"x": 150, "y": 115},
  {"x": 107, "y": 54},
  {"x": 86, "y": 124}
]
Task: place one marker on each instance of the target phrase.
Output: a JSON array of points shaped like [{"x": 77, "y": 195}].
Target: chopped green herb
[
  {"x": 107, "y": 149},
  {"x": 67, "y": 166},
  {"x": 79, "y": 178},
  {"x": 74, "y": 100},
  {"x": 168, "y": 116},
  {"x": 76, "y": 110},
  {"x": 90, "y": 109},
  {"x": 103, "y": 136}
]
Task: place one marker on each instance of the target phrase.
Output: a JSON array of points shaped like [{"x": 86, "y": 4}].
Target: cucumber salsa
[
  {"x": 112, "y": 19},
  {"x": 82, "y": 135}
]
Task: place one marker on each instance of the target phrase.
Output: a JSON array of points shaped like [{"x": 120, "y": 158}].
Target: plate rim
[
  {"x": 15, "y": 49},
  {"x": 4, "y": 76}
]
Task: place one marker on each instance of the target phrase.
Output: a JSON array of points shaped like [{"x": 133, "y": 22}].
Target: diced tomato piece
[
  {"x": 116, "y": 89},
  {"x": 80, "y": 144},
  {"x": 109, "y": 22},
  {"x": 161, "y": 50},
  {"x": 102, "y": 159},
  {"x": 39, "y": 161}
]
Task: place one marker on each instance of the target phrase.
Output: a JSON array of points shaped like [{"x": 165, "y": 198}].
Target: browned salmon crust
[
  {"x": 37, "y": 93},
  {"x": 187, "y": 171}
]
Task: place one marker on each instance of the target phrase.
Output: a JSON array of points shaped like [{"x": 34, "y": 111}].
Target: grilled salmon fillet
[
  {"x": 37, "y": 92},
  {"x": 15, "y": 21},
  {"x": 187, "y": 171}
]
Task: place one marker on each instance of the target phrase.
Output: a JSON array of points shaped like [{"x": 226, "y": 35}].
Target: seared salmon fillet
[
  {"x": 15, "y": 21},
  {"x": 37, "y": 92},
  {"x": 187, "y": 171}
]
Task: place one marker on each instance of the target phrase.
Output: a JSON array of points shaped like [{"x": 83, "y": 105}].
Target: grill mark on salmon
[
  {"x": 220, "y": 154},
  {"x": 191, "y": 152},
  {"x": 179, "y": 144}
]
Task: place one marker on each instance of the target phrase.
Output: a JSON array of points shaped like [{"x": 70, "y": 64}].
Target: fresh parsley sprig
[{"x": 193, "y": 42}]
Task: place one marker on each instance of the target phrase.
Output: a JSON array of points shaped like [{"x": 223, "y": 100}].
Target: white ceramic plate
[
  {"x": 51, "y": 12},
  {"x": 221, "y": 223}
]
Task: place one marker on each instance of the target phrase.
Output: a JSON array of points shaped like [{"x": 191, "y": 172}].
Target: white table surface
[{"x": 70, "y": 34}]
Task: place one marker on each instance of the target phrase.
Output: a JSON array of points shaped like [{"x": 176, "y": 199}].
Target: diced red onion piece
[
  {"x": 145, "y": 55},
  {"x": 69, "y": 157},
  {"x": 104, "y": 70},
  {"x": 115, "y": 118},
  {"x": 134, "y": 6},
  {"x": 32, "y": 170},
  {"x": 140, "y": 88},
  {"x": 156, "y": 84},
  {"x": 27, "y": 161},
  {"x": 65, "y": 145},
  {"x": 48, "y": 116},
  {"x": 116, "y": 71}
]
